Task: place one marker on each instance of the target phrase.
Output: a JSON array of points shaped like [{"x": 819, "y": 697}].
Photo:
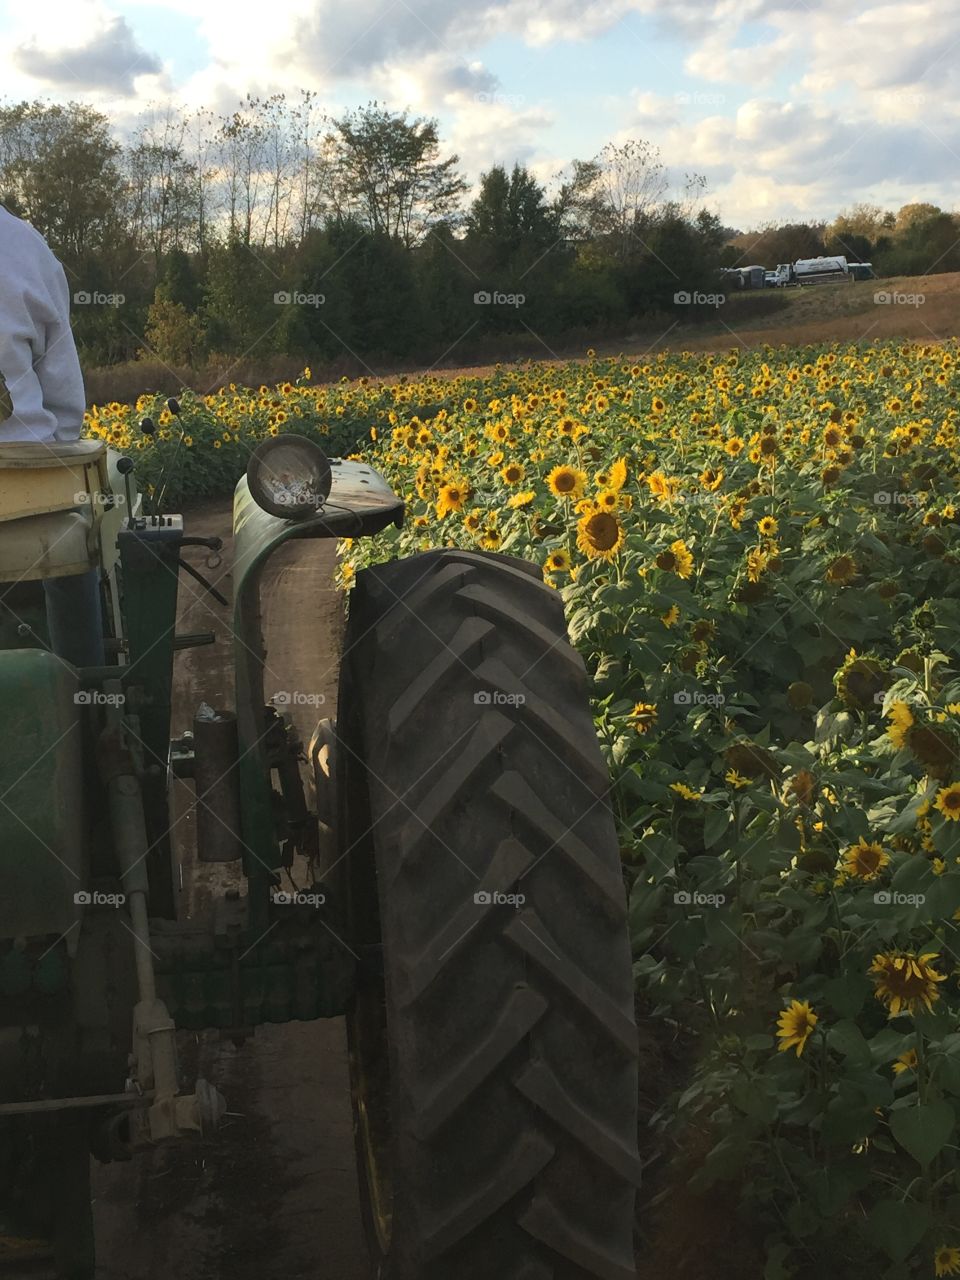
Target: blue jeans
[{"x": 75, "y": 620}]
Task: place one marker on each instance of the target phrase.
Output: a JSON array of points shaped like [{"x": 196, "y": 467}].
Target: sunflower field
[{"x": 759, "y": 555}]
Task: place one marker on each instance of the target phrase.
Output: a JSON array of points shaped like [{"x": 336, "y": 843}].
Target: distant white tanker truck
[
  {"x": 813, "y": 270},
  {"x": 824, "y": 270}
]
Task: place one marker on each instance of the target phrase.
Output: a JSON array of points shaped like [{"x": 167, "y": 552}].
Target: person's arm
[{"x": 58, "y": 365}]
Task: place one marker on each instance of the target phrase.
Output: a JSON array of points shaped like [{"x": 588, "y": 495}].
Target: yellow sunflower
[
  {"x": 946, "y": 1260},
  {"x": 841, "y": 571},
  {"x": 903, "y": 980},
  {"x": 521, "y": 499},
  {"x": 676, "y": 560},
  {"x": 948, "y": 801},
  {"x": 795, "y": 1026},
  {"x": 512, "y": 473},
  {"x": 644, "y": 716},
  {"x": 906, "y": 1062},
  {"x": 901, "y": 719},
  {"x": 599, "y": 535},
  {"x": 451, "y": 497},
  {"x": 865, "y": 859},
  {"x": 662, "y": 486},
  {"x": 566, "y": 482},
  {"x": 767, "y": 526},
  {"x": 685, "y": 792},
  {"x": 559, "y": 561},
  {"x": 617, "y": 476}
]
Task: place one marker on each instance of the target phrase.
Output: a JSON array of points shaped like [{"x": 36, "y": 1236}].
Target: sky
[{"x": 790, "y": 111}]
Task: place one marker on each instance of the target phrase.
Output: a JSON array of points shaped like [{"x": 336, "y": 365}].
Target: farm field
[
  {"x": 829, "y": 313},
  {"x": 758, "y": 553}
]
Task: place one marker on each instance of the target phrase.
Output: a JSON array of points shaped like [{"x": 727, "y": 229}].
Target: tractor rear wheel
[{"x": 493, "y": 1045}]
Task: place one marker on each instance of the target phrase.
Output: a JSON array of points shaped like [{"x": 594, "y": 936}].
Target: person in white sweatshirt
[
  {"x": 41, "y": 387},
  {"x": 42, "y": 402}
]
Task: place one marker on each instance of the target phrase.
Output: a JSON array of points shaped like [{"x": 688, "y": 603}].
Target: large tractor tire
[{"x": 493, "y": 1045}]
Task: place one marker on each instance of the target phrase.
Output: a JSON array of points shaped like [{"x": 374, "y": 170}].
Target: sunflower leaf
[
  {"x": 898, "y": 1227},
  {"x": 923, "y": 1130}
]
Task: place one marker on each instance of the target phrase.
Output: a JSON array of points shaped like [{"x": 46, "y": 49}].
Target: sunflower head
[
  {"x": 865, "y": 859},
  {"x": 751, "y": 760},
  {"x": 936, "y": 746},
  {"x": 901, "y": 719},
  {"x": 859, "y": 681},
  {"x": 566, "y": 482},
  {"x": 911, "y": 659},
  {"x": 948, "y": 802},
  {"x": 803, "y": 788},
  {"x": 904, "y": 981},
  {"x": 907, "y": 1061},
  {"x": 599, "y": 535},
  {"x": 795, "y": 1026},
  {"x": 799, "y": 694},
  {"x": 644, "y": 716},
  {"x": 558, "y": 561},
  {"x": 451, "y": 497},
  {"x": 946, "y": 1259},
  {"x": 841, "y": 571}
]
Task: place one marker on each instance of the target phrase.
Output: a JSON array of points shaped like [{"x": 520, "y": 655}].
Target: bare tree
[{"x": 163, "y": 188}]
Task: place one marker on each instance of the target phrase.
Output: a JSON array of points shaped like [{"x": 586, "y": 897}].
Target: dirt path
[{"x": 276, "y": 1198}]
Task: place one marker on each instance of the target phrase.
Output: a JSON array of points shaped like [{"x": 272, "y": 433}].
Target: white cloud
[{"x": 851, "y": 99}]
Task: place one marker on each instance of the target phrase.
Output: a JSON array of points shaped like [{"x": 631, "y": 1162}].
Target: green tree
[
  {"x": 511, "y": 213},
  {"x": 389, "y": 174},
  {"x": 60, "y": 167}
]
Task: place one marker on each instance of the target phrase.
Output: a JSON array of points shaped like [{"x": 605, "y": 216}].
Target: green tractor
[{"x": 440, "y": 867}]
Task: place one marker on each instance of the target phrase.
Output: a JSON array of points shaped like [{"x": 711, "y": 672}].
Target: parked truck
[
  {"x": 824, "y": 270},
  {"x": 744, "y": 277}
]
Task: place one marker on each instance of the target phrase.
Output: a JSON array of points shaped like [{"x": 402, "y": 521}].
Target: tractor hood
[{"x": 360, "y": 503}]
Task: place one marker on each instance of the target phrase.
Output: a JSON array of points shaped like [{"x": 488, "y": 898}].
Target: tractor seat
[
  {"x": 34, "y": 454},
  {"x": 36, "y": 479},
  {"x": 54, "y": 545}
]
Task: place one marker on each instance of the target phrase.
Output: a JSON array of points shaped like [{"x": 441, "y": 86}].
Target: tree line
[{"x": 279, "y": 229}]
